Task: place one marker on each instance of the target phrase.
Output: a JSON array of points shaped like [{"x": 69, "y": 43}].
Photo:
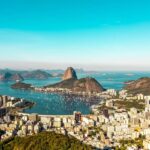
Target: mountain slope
[
  {"x": 87, "y": 85},
  {"x": 81, "y": 85},
  {"x": 141, "y": 85}
]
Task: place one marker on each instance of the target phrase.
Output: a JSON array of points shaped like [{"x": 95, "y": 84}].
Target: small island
[{"x": 22, "y": 86}]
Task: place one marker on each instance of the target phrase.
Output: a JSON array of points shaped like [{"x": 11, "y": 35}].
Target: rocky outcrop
[
  {"x": 69, "y": 74},
  {"x": 71, "y": 82},
  {"x": 11, "y": 77},
  {"x": 141, "y": 85}
]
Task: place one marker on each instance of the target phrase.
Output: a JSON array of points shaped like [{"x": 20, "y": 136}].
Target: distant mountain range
[
  {"x": 37, "y": 74},
  {"x": 10, "y": 75},
  {"x": 69, "y": 81},
  {"x": 13, "y": 75}
]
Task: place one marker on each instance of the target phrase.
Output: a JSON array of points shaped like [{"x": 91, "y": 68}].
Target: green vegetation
[
  {"x": 125, "y": 143},
  {"x": 129, "y": 104},
  {"x": 44, "y": 141}
]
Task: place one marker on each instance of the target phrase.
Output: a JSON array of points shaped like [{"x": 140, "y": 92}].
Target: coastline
[{"x": 90, "y": 98}]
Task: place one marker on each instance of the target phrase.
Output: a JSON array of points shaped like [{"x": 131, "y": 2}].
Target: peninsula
[{"x": 71, "y": 82}]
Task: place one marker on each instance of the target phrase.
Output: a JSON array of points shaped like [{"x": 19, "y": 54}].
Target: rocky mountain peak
[{"x": 69, "y": 74}]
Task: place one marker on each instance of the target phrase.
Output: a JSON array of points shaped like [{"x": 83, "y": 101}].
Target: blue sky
[{"x": 90, "y": 34}]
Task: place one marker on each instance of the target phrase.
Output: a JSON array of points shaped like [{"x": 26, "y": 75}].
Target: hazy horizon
[
  {"x": 48, "y": 66},
  {"x": 93, "y": 34}
]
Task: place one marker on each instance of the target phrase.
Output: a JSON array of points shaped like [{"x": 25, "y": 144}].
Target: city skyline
[{"x": 94, "y": 35}]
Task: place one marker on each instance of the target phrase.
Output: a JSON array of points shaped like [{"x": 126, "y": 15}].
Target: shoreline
[
  {"x": 88, "y": 97},
  {"x": 15, "y": 104},
  {"x": 67, "y": 96}
]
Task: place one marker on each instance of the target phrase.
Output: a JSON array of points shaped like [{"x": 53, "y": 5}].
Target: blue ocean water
[{"x": 56, "y": 104}]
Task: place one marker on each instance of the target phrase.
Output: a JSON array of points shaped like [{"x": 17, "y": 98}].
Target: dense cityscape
[
  {"x": 117, "y": 120},
  {"x": 74, "y": 75}
]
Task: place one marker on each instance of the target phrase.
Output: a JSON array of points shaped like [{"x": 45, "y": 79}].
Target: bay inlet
[{"x": 55, "y": 104}]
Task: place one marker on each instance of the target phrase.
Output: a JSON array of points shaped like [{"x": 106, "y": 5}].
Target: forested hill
[{"x": 44, "y": 141}]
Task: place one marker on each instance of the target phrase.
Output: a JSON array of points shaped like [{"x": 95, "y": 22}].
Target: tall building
[
  {"x": 5, "y": 98},
  {"x": 147, "y": 104},
  {"x": 1, "y": 101},
  {"x": 77, "y": 117},
  {"x": 33, "y": 117}
]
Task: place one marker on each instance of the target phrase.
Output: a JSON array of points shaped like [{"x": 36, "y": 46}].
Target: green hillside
[{"x": 44, "y": 141}]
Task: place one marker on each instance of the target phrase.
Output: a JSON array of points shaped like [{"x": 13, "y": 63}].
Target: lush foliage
[
  {"x": 125, "y": 143},
  {"x": 45, "y": 141},
  {"x": 130, "y": 104}
]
